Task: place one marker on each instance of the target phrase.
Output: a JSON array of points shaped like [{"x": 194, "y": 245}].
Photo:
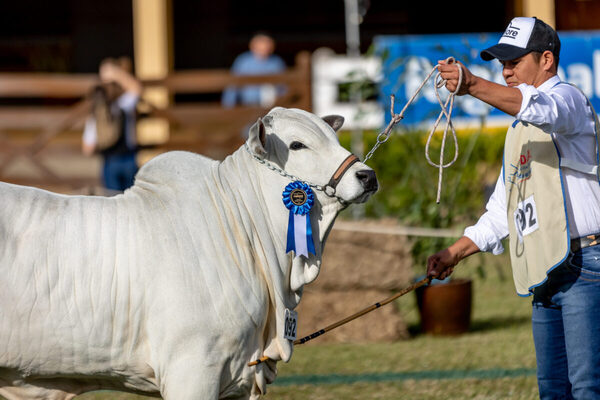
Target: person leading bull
[{"x": 546, "y": 200}]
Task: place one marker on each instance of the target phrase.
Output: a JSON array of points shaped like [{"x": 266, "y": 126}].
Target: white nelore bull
[{"x": 171, "y": 288}]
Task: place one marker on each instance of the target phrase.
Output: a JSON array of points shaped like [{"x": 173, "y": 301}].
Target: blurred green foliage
[{"x": 408, "y": 184}]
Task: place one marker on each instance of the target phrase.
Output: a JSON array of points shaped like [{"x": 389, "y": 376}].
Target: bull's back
[{"x": 59, "y": 286}]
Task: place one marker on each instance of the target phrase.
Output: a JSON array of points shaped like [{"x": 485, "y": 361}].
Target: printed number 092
[
  {"x": 522, "y": 218},
  {"x": 290, "y": 327}
]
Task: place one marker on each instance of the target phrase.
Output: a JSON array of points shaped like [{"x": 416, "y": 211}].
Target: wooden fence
[{"x": 42, "y": 117}]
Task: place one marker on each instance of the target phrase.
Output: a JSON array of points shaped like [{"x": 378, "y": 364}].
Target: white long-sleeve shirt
[{"x": 562, "y": 111}]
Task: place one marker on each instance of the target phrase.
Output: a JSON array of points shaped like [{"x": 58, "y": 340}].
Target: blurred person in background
[
  {"x": 259, "y": 60},
  {"x": 110, "y": 129}
]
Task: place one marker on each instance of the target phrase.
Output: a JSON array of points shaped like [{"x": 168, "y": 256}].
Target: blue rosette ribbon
[{"x": 299, "y": 198}]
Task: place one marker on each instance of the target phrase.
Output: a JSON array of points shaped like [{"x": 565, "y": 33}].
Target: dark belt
[{"x": 585, "y": 241}]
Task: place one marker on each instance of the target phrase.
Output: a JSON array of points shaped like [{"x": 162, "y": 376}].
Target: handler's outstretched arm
[
  {"x": 504, "y": 98},
  {"x": 441, "y": 264}
]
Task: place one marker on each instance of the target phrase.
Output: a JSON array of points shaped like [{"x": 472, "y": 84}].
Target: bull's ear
[
  {"x": 335, "y": 121},
  {"x": 257, "y": 138}
]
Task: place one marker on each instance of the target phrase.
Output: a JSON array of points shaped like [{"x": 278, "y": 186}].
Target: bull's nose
[{"x": 368, "y": 180}]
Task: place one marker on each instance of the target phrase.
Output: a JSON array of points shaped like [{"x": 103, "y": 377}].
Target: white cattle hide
[{"x": 171, "y": 288}]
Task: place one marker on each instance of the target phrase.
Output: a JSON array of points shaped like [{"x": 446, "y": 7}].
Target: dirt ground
[{"x": 358, "y": 270}]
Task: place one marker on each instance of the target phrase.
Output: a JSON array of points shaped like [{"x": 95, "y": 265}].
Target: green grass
[
  {"x": 465, "y": 366},
  {"x": 515, "y": 388},
  {"x": 494, "y": 360}
]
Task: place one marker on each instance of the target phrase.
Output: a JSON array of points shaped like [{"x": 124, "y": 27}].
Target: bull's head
[{"x": 306, "y": 146}]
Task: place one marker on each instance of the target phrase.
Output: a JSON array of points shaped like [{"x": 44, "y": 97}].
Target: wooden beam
[
  {"x": 29, "y": 117},
  {"x": 198, "y": 115},
  {"x": 206, "y": 81},
  {"x": 46, "y": 85}
]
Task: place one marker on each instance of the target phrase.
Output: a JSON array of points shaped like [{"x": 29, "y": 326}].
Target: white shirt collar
[{"x": 549, "y": 84}]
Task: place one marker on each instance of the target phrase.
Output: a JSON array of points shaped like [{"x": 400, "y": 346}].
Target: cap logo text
[{"x": 511, "y": 32}]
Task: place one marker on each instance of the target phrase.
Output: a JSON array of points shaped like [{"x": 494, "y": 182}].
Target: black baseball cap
[{"x": 524, "y": 35}]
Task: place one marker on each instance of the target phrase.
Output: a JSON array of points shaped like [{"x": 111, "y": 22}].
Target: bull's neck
[{"x": 255, "y": 190}]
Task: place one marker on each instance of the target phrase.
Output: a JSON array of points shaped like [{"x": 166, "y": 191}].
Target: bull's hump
[{"x": 174, "y": 166}]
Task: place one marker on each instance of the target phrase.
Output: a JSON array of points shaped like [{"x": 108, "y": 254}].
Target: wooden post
[
  {"x": 542, "y": 9},
  {"x": 153, "y": 52},
  {"x": 304, "y": 69}
]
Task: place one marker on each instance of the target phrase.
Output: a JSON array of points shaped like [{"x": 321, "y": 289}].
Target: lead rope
[
  {"x": 422, "y": 282},
  {"x": 446, "y": 110}
]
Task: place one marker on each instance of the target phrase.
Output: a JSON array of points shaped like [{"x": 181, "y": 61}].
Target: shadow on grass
[
  {"x": 495, "y": 323},
  {"x": 339, "y": 379},
  {"x": 483, "y": 325}
]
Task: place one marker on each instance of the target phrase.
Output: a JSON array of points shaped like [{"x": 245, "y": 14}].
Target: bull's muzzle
[{"x": 368, "y": 180}]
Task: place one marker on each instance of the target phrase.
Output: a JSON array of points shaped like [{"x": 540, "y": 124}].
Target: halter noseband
[{"x": 337, "y": 176}]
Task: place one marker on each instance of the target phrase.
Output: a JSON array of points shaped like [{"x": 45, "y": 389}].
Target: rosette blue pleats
[{"x": 299, "y": 198}]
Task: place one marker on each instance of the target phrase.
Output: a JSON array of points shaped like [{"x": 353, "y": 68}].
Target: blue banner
[{"x": 407, "y": 60}]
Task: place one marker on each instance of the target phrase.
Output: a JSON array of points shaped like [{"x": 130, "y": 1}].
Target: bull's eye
[{"x": 297, "y": 146}]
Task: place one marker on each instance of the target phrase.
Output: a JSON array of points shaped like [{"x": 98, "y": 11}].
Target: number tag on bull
[
  {"x": 526, "y": 219},
  {"x": 290, "y": 324}
]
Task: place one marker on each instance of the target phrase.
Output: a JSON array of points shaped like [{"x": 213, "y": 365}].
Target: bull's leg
[{"x": 186, "y": 380}]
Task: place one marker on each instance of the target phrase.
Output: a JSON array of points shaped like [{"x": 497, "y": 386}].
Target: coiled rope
[{"x": 446, "y": 111}]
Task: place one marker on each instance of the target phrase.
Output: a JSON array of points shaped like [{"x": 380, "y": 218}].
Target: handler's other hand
[
  {"x": 441, "y": 264},
  {"x": 450, "y": 73}
]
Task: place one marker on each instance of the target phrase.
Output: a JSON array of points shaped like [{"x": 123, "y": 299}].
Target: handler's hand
[
  {"x": 441, "y": 264},
  {"x": 449, "y": 72}
]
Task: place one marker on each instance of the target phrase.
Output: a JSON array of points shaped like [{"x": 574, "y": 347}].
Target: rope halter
[{"x": 329, "y": 189}]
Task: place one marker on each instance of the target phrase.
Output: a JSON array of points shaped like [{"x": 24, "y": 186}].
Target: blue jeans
[
  {"x": 566, "y": 329},
  {"x": 119, "y": 171}
]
